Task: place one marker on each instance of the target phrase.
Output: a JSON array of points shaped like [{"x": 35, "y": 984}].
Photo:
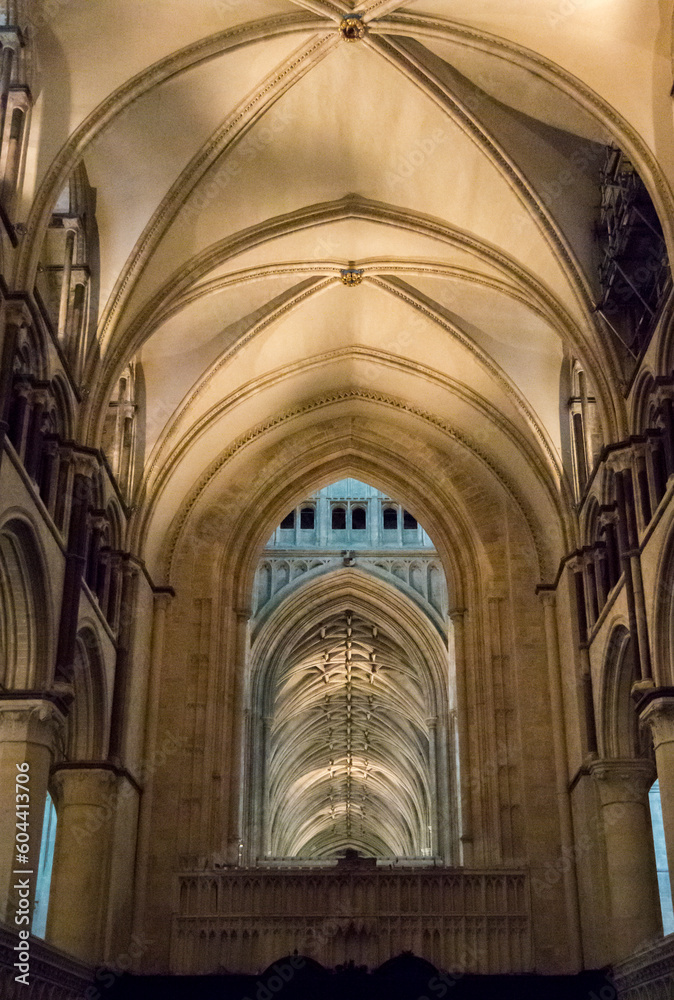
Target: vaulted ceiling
[
  {"x": 348, "y": 760},
  {"x": 245, "y": 154}
]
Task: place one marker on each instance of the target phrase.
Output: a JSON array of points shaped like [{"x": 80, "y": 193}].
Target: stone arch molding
[
  {"x": 25, "y": 607},
  {"x": 325, "y": 452},
  {"x": 663, "y": 611},
  {"x": 86, "y": 727},
  {"x": 618, "y": 736},
  {"x": 191, "y": 282},
  {"x": 348, "y": 656}
]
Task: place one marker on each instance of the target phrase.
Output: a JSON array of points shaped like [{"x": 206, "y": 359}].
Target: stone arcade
[{"x": 336, "y": 495}]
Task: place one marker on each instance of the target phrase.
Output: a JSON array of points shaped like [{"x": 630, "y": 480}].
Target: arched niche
[
  {"x": 86, "y": 729},
  {"x": 25, "y": 618},
  {"x": 356, "y": 639},
  {"x": 618, "y": 727},
  {"x": 663, "y": 612}
]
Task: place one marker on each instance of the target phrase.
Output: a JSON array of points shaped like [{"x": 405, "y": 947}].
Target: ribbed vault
[
  {"x": 351, "y": 707},
  {"x": 349, "y": 757}
]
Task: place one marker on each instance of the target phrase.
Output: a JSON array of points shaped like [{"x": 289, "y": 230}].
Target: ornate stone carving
[
  {"x": 647, "y": 975},
  {"x": 621, "y": 780},
  {"x": 658, "y": 714},
  {"x": 352, "y": 29},
  {"x": 351, "y": 276},
  {"x": 319, "y": 906},
  {"x": 31, "y": 721}
]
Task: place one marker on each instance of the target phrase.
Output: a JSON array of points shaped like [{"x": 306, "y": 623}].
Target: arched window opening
[
  {"x": 339, "y": 518},
  {"x": 390, "y": 519},
  {"x": 121, "y": 431},
  {"x": 288, "y": 522},
  {"x": 358, "y": 519},
  {"x": 307, "y": 518},
  {"x": 409, "y": 521},
  {"x": 661, "y": 859},
  {"x": 44, "y": 871}
]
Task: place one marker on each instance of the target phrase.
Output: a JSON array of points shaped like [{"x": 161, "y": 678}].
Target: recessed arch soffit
[
  {"x": 349, "y": 429},
  {"x": 479, "y": 265},
  {"x": 194, "y": 212},
  {"x": 411, "y": 24}
]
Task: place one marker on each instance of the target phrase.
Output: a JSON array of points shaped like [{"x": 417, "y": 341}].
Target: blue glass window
[
  {"x": 43, "y": 883},
  {"x": 661, "y": 859}
]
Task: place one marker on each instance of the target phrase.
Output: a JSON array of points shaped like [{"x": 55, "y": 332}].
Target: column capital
[
  {"x": 622, "y": 779},
  {"x": 85, "y": 464},
  {"x": 547, "y": 596},
  {"x": 87, "y": 784},
  {"x": 50, "y": 446},
  {"x": 458, "y": 615},
  {"x": 656, "y": 710},
  {"x": 664, "y": 393},
  {"x": 575, "y": 562},
  {"x": 30, "y": 720},
  {"x": 23, "y": 386},
  {"x": 163, "y": 598},
  {"x": 620, "y": 460}
]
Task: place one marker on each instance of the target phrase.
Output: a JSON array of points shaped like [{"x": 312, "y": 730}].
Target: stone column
[
  {"x": 656, "y": 710},
  {"x": 49, "y": 480},
  {"x": 562, "y": 777},
  {"x": 589, "y": 575},
  {"x": 666, "y": 404},
  {"x": 20, "y": 414},
  {"x": 608, "y": 519},
  {"x": 40, "y": 400},
  {"x": 630, "y": 556},
  {"x": 5, "y": 80},
  {"x": 118, "y": 713},
  {"x": 29, "y": 731},
  {"x": 86, "y": 800},
  {"x": 458, "y": 621},
  {"x": 75, "y": 563},
  {"x": 162, "y": 600},
  {"x": 237, "y": 750},
  {"x": 64, "y": 303},
  {"x": 633, "y": 888},
  {"x": 576, "y": 567},
  {"x": 645, "y": 502}
]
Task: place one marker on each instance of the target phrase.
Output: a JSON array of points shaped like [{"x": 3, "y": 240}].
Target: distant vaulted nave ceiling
[
  {"x": 337, "y": 479},
  {"x": 245, "y": 155}
]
